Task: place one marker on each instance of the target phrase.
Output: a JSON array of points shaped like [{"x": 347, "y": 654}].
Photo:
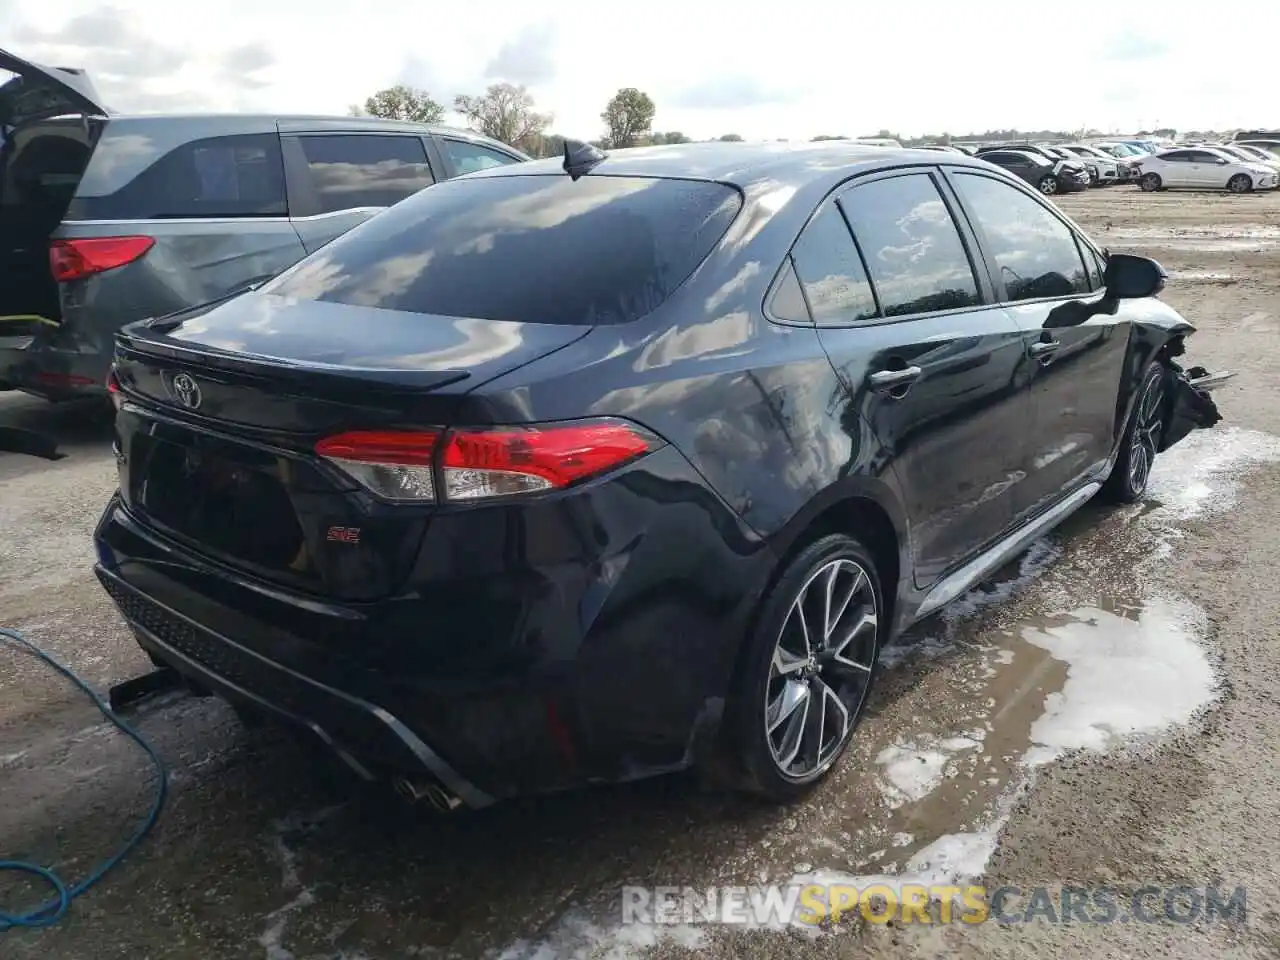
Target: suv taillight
[
  {"x": 73, "y": 259},
  {"x": 423, "y": 466}
]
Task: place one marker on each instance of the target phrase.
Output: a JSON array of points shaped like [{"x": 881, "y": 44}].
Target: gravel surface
[{"x": 1103, "y": 714}]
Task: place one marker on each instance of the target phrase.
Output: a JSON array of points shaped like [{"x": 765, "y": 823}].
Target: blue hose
[{"x": 56, "y": 907}]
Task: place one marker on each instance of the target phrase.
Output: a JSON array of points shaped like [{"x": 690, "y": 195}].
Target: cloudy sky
[{"x": 791, "y": 70}]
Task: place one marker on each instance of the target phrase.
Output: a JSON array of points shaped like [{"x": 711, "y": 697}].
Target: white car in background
[
  {"x": 1269, "y": 146},
  {"x": 1251, "y": 155},
  {"x": 1203, "y": 168},
  {"x": 1125, "y": 151},
  {"x": 1103, "y": 168}
]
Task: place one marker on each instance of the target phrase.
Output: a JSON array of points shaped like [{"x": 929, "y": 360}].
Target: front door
[
  {"x": 925, "y": 359},
  {"x": 1051, "y": 281}
]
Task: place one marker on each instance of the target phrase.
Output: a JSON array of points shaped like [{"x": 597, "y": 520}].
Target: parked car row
[{"x": 106, "y": 219}]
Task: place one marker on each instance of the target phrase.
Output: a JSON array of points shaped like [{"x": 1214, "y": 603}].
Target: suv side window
[
  {"x": 831, "y": 272},
  {"x": 914, "y": 253},
  {"x": 1034, "y": 252},
  {"x": 470, "y": 157},
  {"x": 365, "y": 170},
  {"x": 232, "y": 176}
]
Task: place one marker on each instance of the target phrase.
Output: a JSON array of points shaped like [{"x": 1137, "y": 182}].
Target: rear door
[
  {"x": 1175, "y": 168},
  {"x": 1049, "y": 278},
  {"x": 904, "y": 314},
  {"x": 339, "y": 179}
]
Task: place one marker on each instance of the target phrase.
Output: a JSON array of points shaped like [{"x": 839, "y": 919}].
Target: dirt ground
[{"x": 1104, "y": 714}]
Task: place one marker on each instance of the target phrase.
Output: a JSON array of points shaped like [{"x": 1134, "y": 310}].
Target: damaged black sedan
[{"x": 587, "y": 469}]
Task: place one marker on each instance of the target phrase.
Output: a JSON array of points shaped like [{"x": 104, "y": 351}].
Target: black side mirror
[{"x": 1130, "y": 278}]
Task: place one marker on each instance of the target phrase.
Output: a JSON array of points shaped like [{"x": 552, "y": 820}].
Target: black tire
[
  {"x": 1240, "y": 183},
  {"x": 1048, "y": 185},
  {"x": 764, "y": 680},
  {"x": 1150, "y": 183},
  {"x": 1141, "y": 440}
]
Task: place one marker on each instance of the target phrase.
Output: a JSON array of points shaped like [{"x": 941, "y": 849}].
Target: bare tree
[{"x": 506, "y": 113}]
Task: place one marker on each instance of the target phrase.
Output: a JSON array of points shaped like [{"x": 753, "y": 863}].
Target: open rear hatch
[{"x": 221, "y": 410}]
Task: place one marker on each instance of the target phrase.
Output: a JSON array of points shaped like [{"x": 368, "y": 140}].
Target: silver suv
[{"x": 107, "y": 219}]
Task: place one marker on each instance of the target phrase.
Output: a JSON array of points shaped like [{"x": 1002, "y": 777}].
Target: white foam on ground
[
  {"x": 910, "y": 772},
  {"x": 1200, "y": 474},
  {"x": 1125, "y": 677}
]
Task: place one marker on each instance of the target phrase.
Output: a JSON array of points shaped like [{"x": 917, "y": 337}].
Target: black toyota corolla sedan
[{"x": 588, "y": 469}]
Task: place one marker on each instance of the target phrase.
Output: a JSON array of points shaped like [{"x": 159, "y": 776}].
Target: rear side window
[
  {"x": 1034, "y": 252},
  {"x": 831, "y": 272},
  {"x": 528, "y": 249},
  {"x": 917, "y": 261},
  {"x": 232, "y": 176},
  {"x": 361, "y": 170},
  {"x": 470, "y": 157}
]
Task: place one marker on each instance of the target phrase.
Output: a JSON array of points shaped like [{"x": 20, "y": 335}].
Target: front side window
[
  {"x": 1034, "y": 252},
  {"x": 831, "y": 273},
  {"x": 917, "y": 261},
  {"x": 349, "y": 171}
]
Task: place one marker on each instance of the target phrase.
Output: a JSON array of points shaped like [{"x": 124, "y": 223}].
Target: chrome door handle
[
  {"x": 1042, "y": 348},
  {"x": 889, "y": 379}
]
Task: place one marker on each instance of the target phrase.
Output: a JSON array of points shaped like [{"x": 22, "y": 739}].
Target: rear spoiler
[{"x": 140, "y": 344}]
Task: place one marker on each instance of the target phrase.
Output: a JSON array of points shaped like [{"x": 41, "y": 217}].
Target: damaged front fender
[{"x": 1188, "y": 403}]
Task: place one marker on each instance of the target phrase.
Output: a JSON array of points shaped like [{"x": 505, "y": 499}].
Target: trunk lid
[
  {"x": 37, "y": 92},
  {"x": 221, "y": 408}
]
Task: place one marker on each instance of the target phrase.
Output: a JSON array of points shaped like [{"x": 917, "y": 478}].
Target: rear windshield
[{"x": 528, "y": 249}]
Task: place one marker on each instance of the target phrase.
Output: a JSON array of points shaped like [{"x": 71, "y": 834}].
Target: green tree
[
  {"x": 671, "y": 136},
  {"x": 401, "y": 103},
  {"x": 627, "y": 117},
  {"x": 731, "y": 138},
  {"x": 505, "y": 112}
]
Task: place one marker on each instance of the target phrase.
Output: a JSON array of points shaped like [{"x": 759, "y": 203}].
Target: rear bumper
[
  {"x": 543, "y": 676},
  {"x": 31, "y": 361},
  {"x": 360, "y": 732}
]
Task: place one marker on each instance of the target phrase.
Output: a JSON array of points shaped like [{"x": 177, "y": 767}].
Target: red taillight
[
  {"x": 73, "y": 259},
  {"x": 113, "y": 387},
  {"x": 481, "y": 463}
]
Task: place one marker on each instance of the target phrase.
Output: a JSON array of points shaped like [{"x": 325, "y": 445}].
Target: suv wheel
[
  {"x": 1048, "y": 185},
  {"x": 808, "y": 668}
]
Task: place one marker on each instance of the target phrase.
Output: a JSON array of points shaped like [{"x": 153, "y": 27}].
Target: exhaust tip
[{"x": 440, "y": 799}]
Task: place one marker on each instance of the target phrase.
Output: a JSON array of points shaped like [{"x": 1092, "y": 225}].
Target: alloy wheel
[
  {"x": 1146, "y": 434},
  {"x": 1048, "y": 186},
  {"x": 1239, "y": 184},
  {"x": 821, "y": 669}
]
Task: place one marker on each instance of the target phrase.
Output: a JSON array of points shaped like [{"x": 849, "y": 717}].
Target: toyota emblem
[{"x": 186, "y": 391}]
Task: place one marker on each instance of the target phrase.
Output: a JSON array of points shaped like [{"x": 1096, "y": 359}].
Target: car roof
[
  {"x": 226, "y": 121},
  {"x": 818, "y": 165}
]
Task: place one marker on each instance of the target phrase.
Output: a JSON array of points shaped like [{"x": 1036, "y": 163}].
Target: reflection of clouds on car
[{"x": 397, "y": 176}]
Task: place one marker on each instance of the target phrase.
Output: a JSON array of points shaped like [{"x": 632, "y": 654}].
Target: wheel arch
[{"x": 863, "y": 507}]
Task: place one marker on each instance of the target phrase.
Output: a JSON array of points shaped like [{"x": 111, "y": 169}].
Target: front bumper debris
[{"x": 1190, "y": 407}]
